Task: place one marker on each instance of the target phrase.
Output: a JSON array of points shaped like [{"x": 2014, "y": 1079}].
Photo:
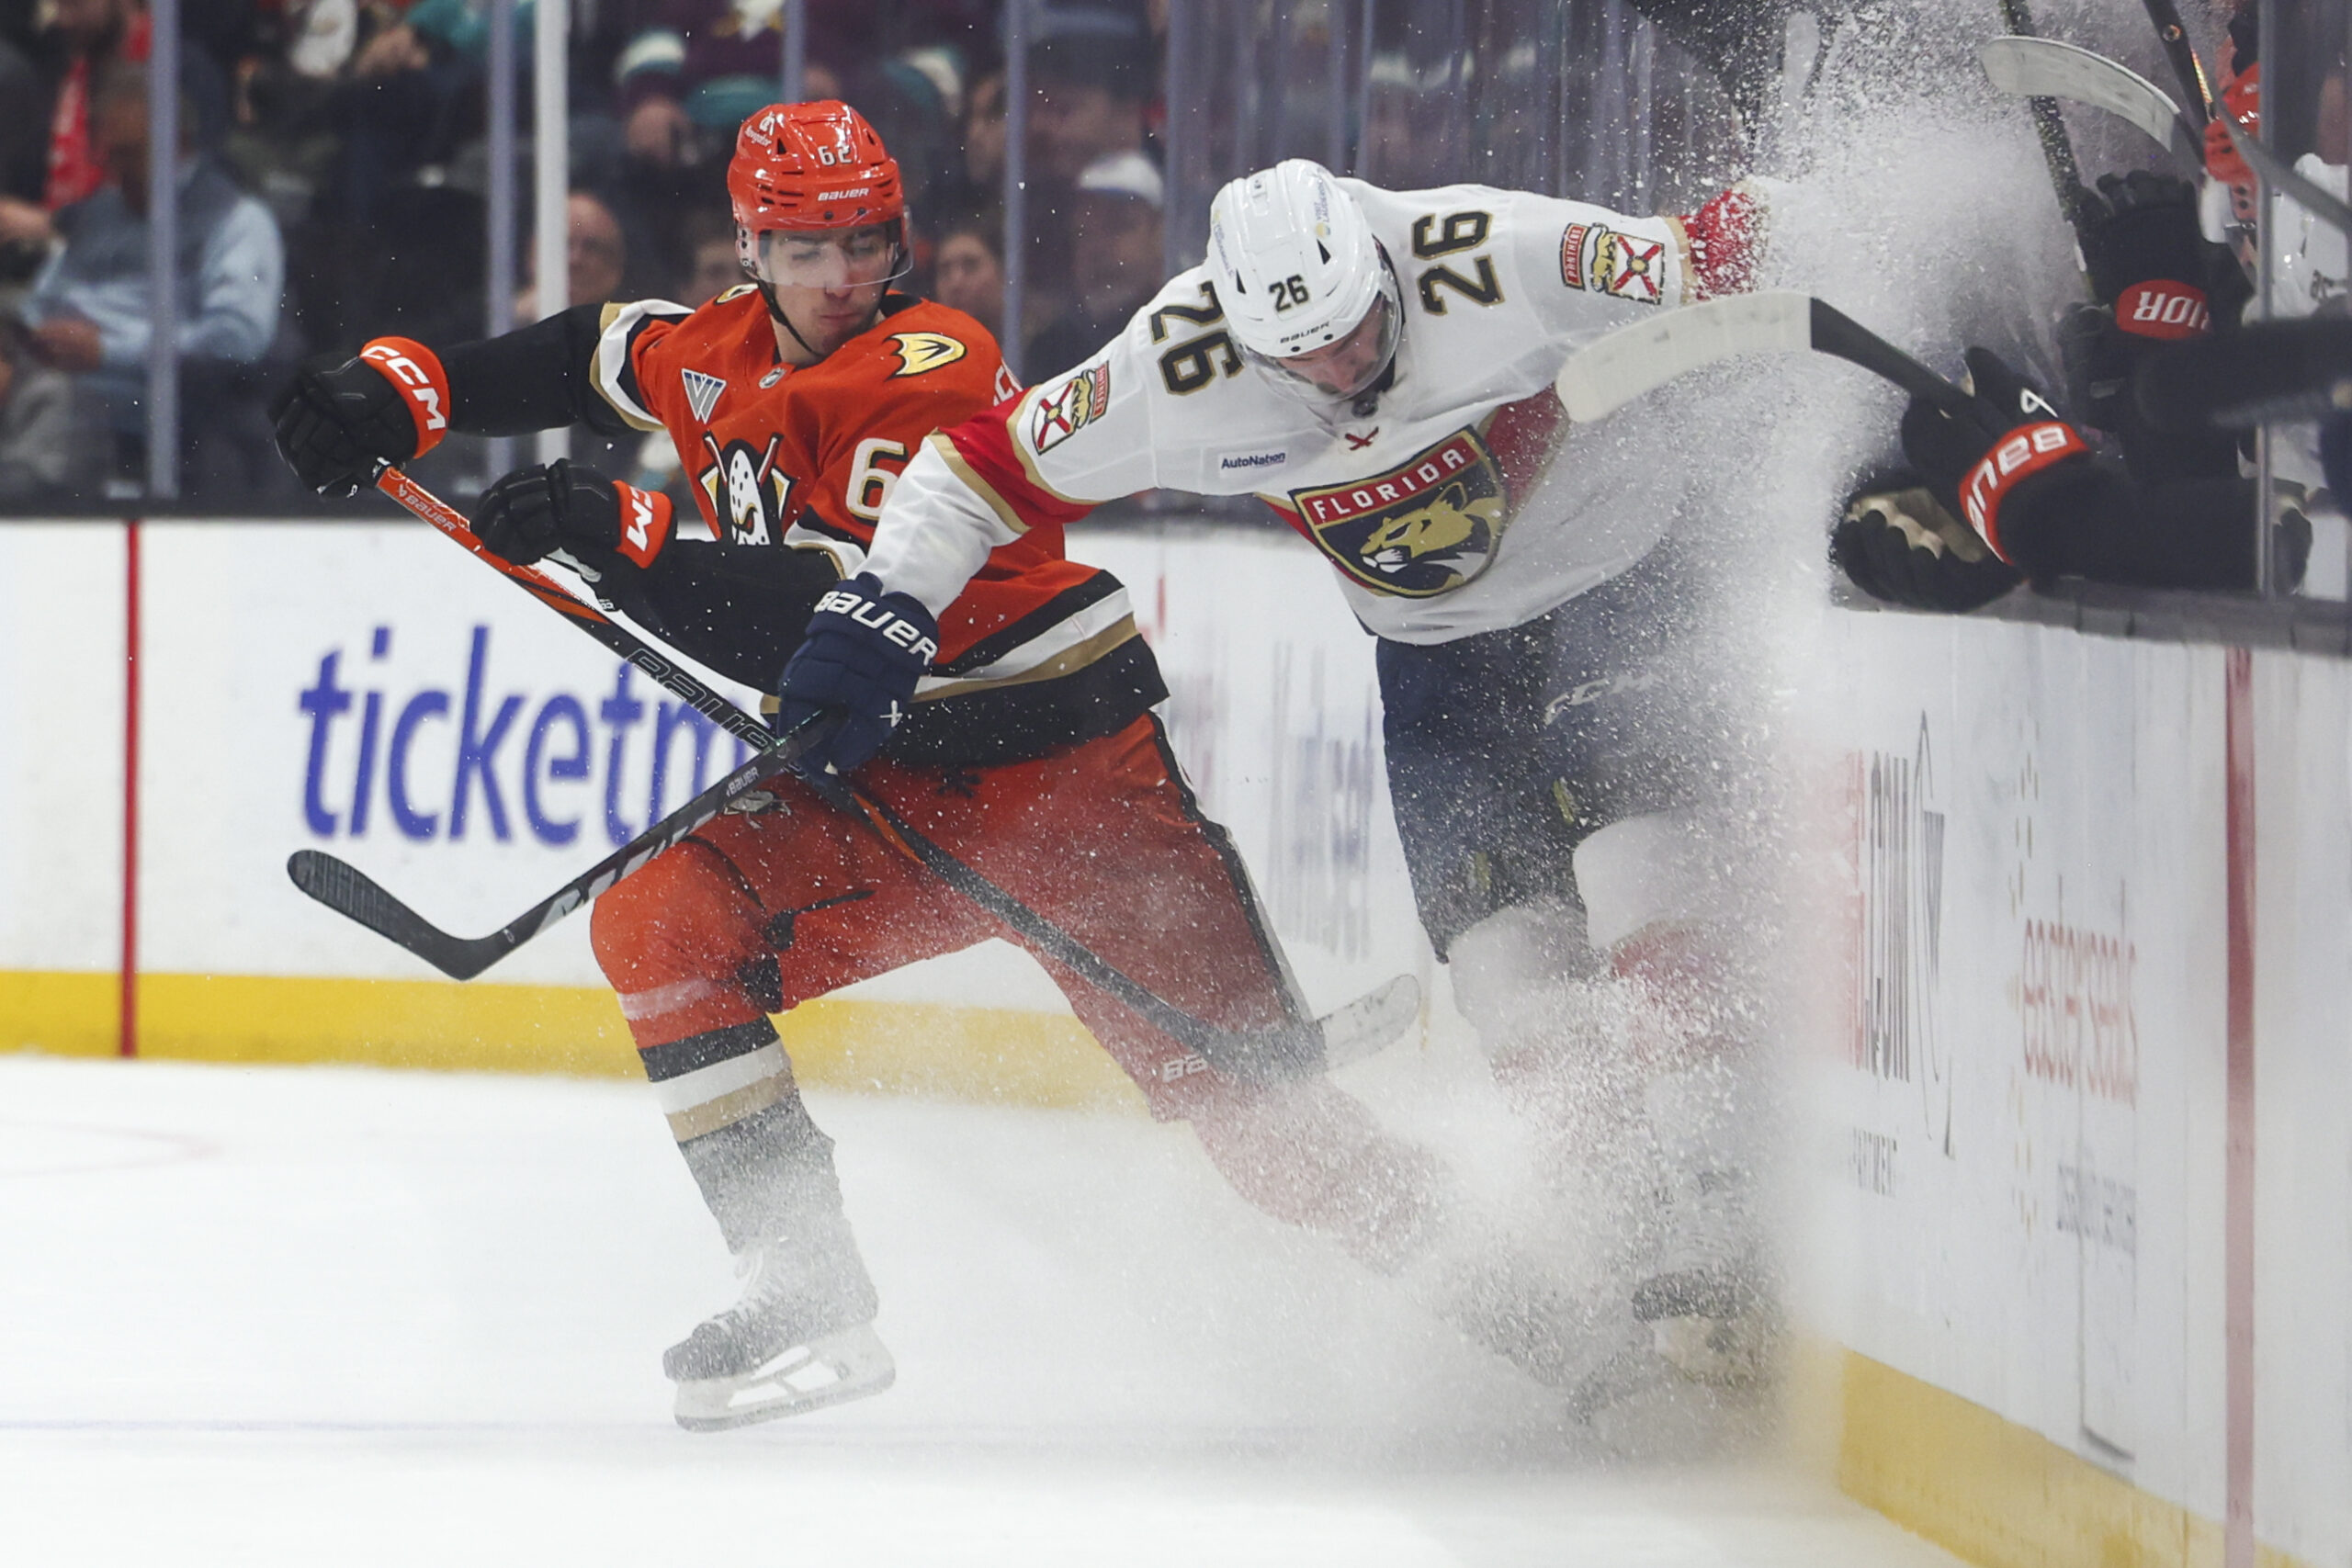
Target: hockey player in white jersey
[{"x": 1377, "y": 366}]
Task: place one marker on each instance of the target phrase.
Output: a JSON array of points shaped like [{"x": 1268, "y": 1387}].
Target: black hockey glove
[
  {"x": 2156, "y": 280},
  {"x": 865, "y": 651},
  {"x": 1898, "y": 544},
  {"x": 2010, "y": 441},
  {"x": 2140, "y": 228},
  {"x": 337, "y": 421},
  {"x": 599, "y": 523}
]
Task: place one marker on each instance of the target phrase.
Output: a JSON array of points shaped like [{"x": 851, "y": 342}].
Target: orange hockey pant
[{"x": 787, "y": 898}]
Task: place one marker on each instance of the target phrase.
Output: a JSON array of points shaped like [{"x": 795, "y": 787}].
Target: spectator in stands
[
  {"x": 44, "y": 452},
  {"x": 984, "y": 137},
  {"x": 89, "y": 310},
  {"x": 83, "y": 38},
  {"x": 1115, "y": 261},
  {"x": 24, "y": 135},
  {"x": 687, "y": 81},
  {"x": 595, "y": 255},
  {"x": 713, "y": 264},
  {"x": 968, "y": 266},
  {"x": 1089, "y": 78},
  {"x": 1090, "y": 75}
]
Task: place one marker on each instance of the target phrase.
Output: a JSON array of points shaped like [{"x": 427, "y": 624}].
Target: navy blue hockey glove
[
  {"x": 864, "y": 653},
  {"x": 532, "y": 513}
]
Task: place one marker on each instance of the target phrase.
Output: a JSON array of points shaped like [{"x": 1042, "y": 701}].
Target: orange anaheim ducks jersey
[{"x": 1039, "y": 650}]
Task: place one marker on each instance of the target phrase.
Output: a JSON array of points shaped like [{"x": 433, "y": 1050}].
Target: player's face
[
  {"x": 1347, "y": 367},
  {"x": 829, "y": 282}
]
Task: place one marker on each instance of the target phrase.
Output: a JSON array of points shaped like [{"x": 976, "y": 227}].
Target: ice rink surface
[{"x": 321, "y": 1316}]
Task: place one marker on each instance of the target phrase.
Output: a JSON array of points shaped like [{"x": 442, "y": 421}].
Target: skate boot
[
  {"x": 789, "y": 1345},
  {"x": 1703, "y": 1289},
  {"x": 802, "y": 1336}
]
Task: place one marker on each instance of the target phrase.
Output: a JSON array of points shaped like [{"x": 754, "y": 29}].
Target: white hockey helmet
[{"x": 1297, "y": 271}]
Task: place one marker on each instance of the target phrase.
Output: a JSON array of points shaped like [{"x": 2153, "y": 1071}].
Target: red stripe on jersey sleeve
[{"x": 985, "y": 441}]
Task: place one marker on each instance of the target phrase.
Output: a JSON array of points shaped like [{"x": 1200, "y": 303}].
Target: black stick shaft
[
  {"x": 1283, "y": 1051},
  {"x": 1835, "y": 332},
  {"x": 2170, "y": 33},
  {"x": 345, "y": 890}
]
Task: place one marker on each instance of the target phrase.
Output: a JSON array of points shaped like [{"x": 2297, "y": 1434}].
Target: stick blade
[
  {"x": 1612, "y": 371},
  {"x": 350, "y": 892},
  {"x": 2047, "y": 68},
  {"x": 1371, "y": 1023}
]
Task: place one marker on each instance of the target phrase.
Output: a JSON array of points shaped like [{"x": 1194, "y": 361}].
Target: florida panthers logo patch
[
  {"x": 745, "y": 491},
  {"x": 1595, "y": 257},
  {"x": 1424, "y": 528},
  {"x": 1063, "y": 412}
]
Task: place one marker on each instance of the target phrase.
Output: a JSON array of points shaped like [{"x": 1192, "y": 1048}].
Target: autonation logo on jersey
[{"x": 474, "y": 753}]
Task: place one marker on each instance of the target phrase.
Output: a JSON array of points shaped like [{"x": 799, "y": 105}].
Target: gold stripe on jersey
[
  {"x": 980, "y": 487},
  {"x": 1076, "y": 656},
  {"x": 612, "y": 373}
]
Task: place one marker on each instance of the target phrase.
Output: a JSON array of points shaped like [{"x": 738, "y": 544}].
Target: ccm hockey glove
[
  {"x": 336, "y": 422},
  {"x": 599, "y": 523},
  {"x": 864, "y": 653},
  {"x": 1898, "y": 544},
  {"x": 2010, "y": 443}
]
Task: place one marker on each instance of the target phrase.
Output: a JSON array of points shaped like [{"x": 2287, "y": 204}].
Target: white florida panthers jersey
[{"x": 1454, "y": 506}]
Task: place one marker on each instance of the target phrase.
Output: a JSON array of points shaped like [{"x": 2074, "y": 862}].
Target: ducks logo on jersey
[
  {"x": 1424, "y": 528},
  {"x": 746, "y": 490},
  {"x": 918, "y": 352}
]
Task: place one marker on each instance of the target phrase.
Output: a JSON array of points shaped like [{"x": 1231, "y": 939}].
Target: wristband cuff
[
  {"x": 2016, "y": 457},
  {"x": 645, "y": 517},
  {"x": 417, "y": 374},
  {"x": 2164, "y": 307}
]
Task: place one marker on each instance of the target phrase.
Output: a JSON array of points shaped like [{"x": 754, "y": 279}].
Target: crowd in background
[{"x": 335, "y": 170}]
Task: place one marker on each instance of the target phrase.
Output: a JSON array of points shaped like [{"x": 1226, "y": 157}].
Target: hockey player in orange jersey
[{"x": 1030, "y": 749}]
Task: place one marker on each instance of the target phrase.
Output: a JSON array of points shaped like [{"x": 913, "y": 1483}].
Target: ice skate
[
  {"x": 1703, "y": 1290},
  {"x": 782, "y": 1349}
]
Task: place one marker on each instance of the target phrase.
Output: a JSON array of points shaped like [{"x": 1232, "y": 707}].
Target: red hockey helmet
[{"x": 816, "y": 165}]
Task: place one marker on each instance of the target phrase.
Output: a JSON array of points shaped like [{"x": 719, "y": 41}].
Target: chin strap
[{"x": 767, "y": 292}]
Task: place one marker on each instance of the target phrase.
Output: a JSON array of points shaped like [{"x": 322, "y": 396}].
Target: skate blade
[
  {"x": 834, "y": 1370},
  {"x": 1733, "y": 1352},
  {"x": 1633, "y": 1371}
]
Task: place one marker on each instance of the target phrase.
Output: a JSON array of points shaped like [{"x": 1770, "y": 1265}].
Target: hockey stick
[
  {"x": 2022, "y": 66},
  {"x": 2038, "y": 68},
  {"x": 1352, "y": 1031},
  {"x": 348, "y": 891},
  {"x": 2187, "y": 68},
  {"x": 2049, "y": 129},
  {"x": 666, "y": 674},
  {"x": 1646, "y": 355},
  {"x": 1344, "y": 1032}
]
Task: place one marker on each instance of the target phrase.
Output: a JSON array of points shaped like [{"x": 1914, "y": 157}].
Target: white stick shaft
[
  {"x": 2046, "y": 68},
  {"x": 1606, "y": 375}
]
